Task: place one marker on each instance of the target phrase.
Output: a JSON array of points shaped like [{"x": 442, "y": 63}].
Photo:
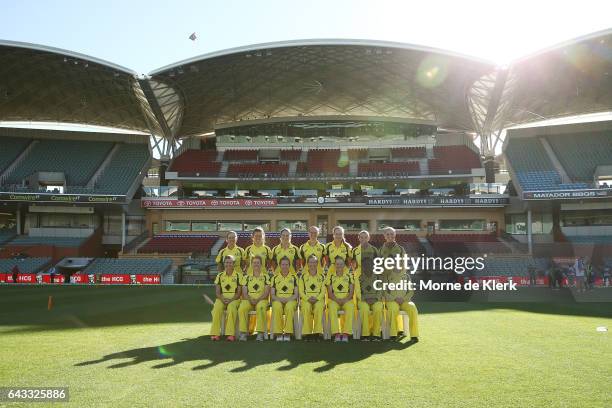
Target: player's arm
[
  {"x": 237, "y": 294},
  {"x": 330, "y": 293},
  {"x": 321, "y": 295},
  {"x": 219, "y": 260}
]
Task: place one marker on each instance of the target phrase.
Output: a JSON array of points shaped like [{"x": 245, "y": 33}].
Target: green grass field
[{"x": 149, "y": 346}]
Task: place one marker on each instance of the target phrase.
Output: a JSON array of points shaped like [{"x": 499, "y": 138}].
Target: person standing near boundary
[{"x": 234, "y": 250}]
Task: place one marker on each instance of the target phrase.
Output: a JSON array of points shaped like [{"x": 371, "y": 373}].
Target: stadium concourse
[{"x": 360, "y": 134}]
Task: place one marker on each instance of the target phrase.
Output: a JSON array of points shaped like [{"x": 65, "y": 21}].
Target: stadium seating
[
  {"x": 357, "y": 154},
  {"x": 453, "y": 159},
  {"x": 78, "y": 160},
  {"x": 533, "y": 167},
  {"x": 389, "y": 169},
  {"x": 10, "y": 148},
  {"x": 408, "y": 152},
  {"x": 590, "y": 239},
  {"x": 290, "y": 155},
  {"x": 510, "y": 266},
  {"x": 176, "y": 243},
  {"x": 451, "y": 244},
  {"x": 145, "y": 266},
  {"x": 6, "y": 235},
  {"x": 26, "y": 240},
  {"x": 323, "y": 162},
  {"x": 258, "y": 170},
  {"x": 580, "y": 154},
  {"x": 123, "y": 168},
  {"x": 240, "y": 155},
  {"x": 200, "y": 162},
  {"x": 25, "y": 265}
]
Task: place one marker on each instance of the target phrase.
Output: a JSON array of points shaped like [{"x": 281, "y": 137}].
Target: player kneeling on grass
[
  {"x": 340, "y": 289},
  {"x": 312, "y": 299},
  {"x": 227, "y": 290},
  {"x": 284, "y": 301},
  {"x": 369, "y": 301},
  {"x": 255, "y": 292}
]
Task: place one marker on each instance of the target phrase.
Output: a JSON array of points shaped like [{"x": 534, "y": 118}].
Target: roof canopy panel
[
  {"x": 49, "y": 85},
  {"x": 573, "y": 78},
  {"x": 323, "y": 77}
]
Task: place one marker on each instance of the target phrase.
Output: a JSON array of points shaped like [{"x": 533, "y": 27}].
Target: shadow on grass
[
  {"x": 251, "y": 354},
  {"x": 25, "y": 309}
]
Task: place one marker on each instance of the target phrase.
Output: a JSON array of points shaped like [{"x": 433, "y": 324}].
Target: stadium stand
[
  {"x": 453, "y": 159},
  {"x": 11, "y": 148},
  {"x": 408, "y": 153},
  {"x": 6, "y": 235},
  {"x": 26, "y": 240},
  {"x": 240, "y": 155},
  {"x": 590, "y": 239},
  {"x": 533, "y": 167},
  {"x": 511, "y": 266},
  {"x": 129, "y": 265},
  {"x": 322, "y": 162},
  {"x": 123, "y": 169},
  {"x": 76, "y": 159},
  {"x": 25, "y": 265},
  {"x": 357, "y": 154},
  {"x": 258, "y": 170},
  {"x": 451, "y": 244},
  {"x": 581, "y": 153},
  {"x": 179, "y": 244},
  {"x": 290, "y": 155},
  {"x": 200, "y": 162},
  {"x": 389, "y": 169}
]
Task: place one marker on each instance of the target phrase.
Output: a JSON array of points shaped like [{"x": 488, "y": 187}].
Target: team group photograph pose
[{"x": 313, "y": 292}]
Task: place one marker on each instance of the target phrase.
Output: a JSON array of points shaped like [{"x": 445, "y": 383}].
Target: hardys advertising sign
[{"x": 439, "y": 201}]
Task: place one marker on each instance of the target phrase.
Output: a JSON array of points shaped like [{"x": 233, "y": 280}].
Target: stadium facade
[{"x": 362, "y": 134}]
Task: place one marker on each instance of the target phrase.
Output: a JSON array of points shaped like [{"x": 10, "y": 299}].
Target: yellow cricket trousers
[
  {"x": 243, "y": 315},
  {"x": 278, "y": 310},
  {"x": 393, "y": 310},
  {"x": 217, "y": 316},
  {"x": 312, "y": 313},
  {"x": 371, "y": 315},
  {"x": 349, "y": 310}
]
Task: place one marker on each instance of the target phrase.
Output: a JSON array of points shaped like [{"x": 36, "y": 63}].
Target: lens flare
[
  {"x": 432, "y": 71},
  {"x": 164, "y": 352}
]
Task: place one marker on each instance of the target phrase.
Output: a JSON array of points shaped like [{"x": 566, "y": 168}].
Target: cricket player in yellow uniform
[
  {"x": 313, "y": 247},
  {"x": 370, "y": 302},
  {"x": 227, "y": 290},
  {"x": 340, "y": 289},
  {"x": 284, "y": 301},
  {"x": 255, "y": 293},
  {"x": 285, "y": 250},
  {"x": 337, "y": 248},
  {"x": 258, "y": 248},
  {"x": 398, "y": 300},
  {"x": 312, "y": 299},
  {"x": 363, "y": 250},
  {"x": 234, "y": 250}
]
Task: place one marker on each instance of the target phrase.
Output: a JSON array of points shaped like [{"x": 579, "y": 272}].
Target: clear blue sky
[{"x": 144, "y": 35}]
